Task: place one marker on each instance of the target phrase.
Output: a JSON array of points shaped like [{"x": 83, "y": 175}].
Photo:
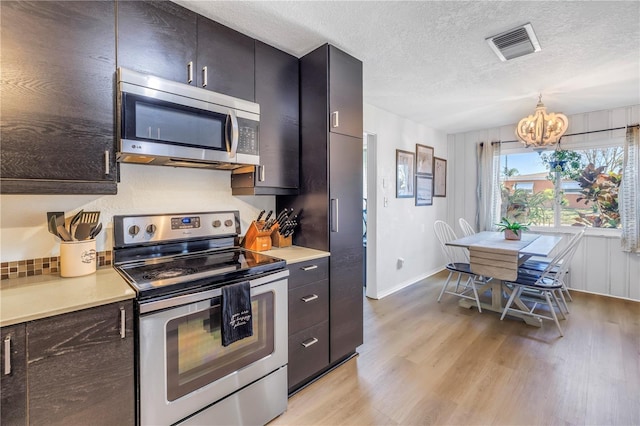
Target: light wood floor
[{"x": 426, "y": 363}]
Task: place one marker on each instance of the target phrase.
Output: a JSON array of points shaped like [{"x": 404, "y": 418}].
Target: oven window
[{"x": 195, "y": 355}]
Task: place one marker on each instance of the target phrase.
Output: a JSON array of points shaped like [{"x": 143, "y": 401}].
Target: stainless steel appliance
[
  {"x": 163, "y": 122},
  {"x": 178, "y": 263}
]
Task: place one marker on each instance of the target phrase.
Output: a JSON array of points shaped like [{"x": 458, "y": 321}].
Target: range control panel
[{"x": 144, "y": 229}]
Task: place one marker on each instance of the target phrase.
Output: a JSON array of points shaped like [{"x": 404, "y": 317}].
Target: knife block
[
  {"x": 278, "y": 240},
  {"x": 256, "y": 238}
]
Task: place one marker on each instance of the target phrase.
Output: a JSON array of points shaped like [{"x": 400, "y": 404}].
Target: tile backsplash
[{"x": 42, "y": 266}]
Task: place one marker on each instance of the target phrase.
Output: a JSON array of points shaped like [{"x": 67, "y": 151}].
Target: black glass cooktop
[{"x": 220, "y": 266}]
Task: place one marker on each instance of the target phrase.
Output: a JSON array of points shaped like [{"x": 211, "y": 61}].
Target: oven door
[{"x": 183, "y": 367}]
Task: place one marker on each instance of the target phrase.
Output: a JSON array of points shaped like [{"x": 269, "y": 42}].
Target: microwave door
[{"x": 231, "y": 133}]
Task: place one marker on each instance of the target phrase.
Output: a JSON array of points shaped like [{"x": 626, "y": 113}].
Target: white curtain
[
  {"x": 629, "y": 197},
  {"x": 488, "y": 192}
]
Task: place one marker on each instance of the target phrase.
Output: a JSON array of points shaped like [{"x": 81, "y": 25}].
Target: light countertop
[
  {"x": 295, "y": 254},
  {"x": 41, "y": 296}
]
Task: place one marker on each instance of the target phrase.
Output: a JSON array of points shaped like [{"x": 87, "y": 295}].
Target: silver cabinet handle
[
  {"x": 7, "y": 355},
  {"x": 204, "y": 76},
  {"x": 261, "y": 174},
  {"x": 232, "y": 145},
  {"x": 335, "y": 211},
  {"x": 309, "y": 298},
  {"x": 335, "y": 119},
  {"x": 123, "y": 323},
  {"x": 107, "y": 169},
  {"x": 190, "y": 72},
  {"x": 309, "y": 268},
  {"x": 309, "y": 342}
]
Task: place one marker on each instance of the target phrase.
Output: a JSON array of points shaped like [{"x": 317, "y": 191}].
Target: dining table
[{"x": 528, "y": 246}]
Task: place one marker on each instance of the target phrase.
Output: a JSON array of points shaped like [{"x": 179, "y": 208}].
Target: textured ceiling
[{"x": 428, "y": 61}]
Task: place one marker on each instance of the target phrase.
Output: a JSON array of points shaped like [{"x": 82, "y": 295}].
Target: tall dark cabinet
[
  {"x": 13, "y": 396},
  {"x": 331, "y": 185},
  {"x": 57, "y": 124}
]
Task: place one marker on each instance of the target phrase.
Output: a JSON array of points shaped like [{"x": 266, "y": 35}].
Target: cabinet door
[
  {"x": 13, "y": 400},
  {"x": 277, "y": 93},
  {"x": 345, "y": 245},
  {"x": 81, "y": 368},
  {"x": 57, "y": 121},
  {"x": 345, "y": 93},
  {"x": 229, "y": 60},
  {"x": 157, "y": 38}
]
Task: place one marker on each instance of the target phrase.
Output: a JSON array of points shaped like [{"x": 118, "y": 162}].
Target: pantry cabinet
[
  {"x": 164, "y": 39},
  {"x": 330, "y": 195},
  {"x": 56, "y": 115}
]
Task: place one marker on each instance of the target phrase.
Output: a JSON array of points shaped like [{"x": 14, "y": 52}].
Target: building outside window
[{"x": 582, "y": 189}]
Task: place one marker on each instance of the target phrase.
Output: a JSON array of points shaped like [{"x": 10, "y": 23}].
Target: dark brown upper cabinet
[
  {"x": 277, "y": 85},
  {"x": 57, "y": 121},
  {"x": 225, "y": 60},
  {"x": 157, "y": 38},
  {"x": 164, "y": 39},
  {"x": 345, "y": 93}
]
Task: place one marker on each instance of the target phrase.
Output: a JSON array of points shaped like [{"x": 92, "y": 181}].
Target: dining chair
[
  {"x": 546, "y": 284},
  {"x": 538, "y": 265},
  {"x": 457, "y": 263},
  {"x": 466, "y": 227}
]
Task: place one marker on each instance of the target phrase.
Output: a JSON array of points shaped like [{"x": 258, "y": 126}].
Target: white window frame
[{"x": 566, "y": 143}]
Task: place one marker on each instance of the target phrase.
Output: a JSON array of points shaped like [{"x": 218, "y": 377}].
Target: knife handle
[
  {"x": 260, "y": 216},
  {"x": 268, "y": 215}
]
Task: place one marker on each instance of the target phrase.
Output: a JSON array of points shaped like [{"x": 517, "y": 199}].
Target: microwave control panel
[{"x": 248, "y": 137}]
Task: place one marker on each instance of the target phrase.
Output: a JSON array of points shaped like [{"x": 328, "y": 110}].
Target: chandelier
[{"x": 541, "y": 129}]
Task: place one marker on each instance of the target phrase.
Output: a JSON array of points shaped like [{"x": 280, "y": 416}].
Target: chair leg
[
  {"x": 566, "y": 290},
  {"x": 475, "y": 293},
  {"x": 516, "y": 290},
  {"x": 560, "y": 309},
  {"x": 553, "y": 312},
  {"x": 564, "y": 301},
  {"x": 444, "y": 287},
  {"x": 458, "y": 282}
]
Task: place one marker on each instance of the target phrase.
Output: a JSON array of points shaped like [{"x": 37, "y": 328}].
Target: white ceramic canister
[{"x": 77, "y": 258}]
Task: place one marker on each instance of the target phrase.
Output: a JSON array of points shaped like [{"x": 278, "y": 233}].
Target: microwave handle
[{"x": 232, "y": 146}]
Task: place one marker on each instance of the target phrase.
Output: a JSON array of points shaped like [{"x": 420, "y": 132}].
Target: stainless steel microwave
[{"x": 163, "y": 122}]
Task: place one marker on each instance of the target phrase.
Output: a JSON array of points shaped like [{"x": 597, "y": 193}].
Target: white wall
[
  {"x": 400, "y": 229},
  {"x": 143, "y": 189},
  {"x": 599, "y": 266}
]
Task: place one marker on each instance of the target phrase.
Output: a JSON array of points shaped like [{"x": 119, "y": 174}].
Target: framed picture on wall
[
  {"x": 404, "y": 173},
  {"x": 424, "y": 159},
  {"x": 424, "y": 190},
  {"x": 439, "y": 177}
]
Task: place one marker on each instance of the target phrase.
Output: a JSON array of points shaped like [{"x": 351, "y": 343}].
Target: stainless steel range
[{"x": 178, "y": 264}]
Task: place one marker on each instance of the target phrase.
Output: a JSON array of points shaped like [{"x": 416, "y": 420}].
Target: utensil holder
[
  {"x": 256, "y": 238},
  {"x": 77, "y": 258}
]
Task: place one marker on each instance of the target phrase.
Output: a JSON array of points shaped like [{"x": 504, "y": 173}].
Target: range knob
[
  {"x": 133, "y": 230},
  {"x": 151, "y": 229},
  {"x": 217, "y": 223},
  {"x": 228, "y": 222}
]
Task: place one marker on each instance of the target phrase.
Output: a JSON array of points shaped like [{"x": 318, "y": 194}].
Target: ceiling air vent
[{"x": 517, "y": 42}]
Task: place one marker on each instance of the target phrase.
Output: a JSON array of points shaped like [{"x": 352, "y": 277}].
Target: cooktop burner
[
  {"x": 163, "y": 274},
  {"x": 172, "y": 254}
]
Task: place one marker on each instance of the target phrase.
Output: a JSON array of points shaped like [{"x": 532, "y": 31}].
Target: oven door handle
[{"x": 156, "y": 305}]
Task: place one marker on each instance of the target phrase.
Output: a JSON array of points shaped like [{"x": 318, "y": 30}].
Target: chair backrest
[
  {"x": 466, "y": 227},
  {"x": 494, "y": 262},
  {"x": 445, "y": 233},
  {"x": 559, "y": 265}
]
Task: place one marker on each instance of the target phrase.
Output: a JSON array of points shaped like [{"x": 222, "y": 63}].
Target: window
[{"x": 562, "y": 188}]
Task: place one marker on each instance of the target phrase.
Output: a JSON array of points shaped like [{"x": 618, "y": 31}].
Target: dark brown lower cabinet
[
  {"x": 13, "y": 399},
  {"x": 308, "y": 321},
  {"x": 79, "y": 367}
]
